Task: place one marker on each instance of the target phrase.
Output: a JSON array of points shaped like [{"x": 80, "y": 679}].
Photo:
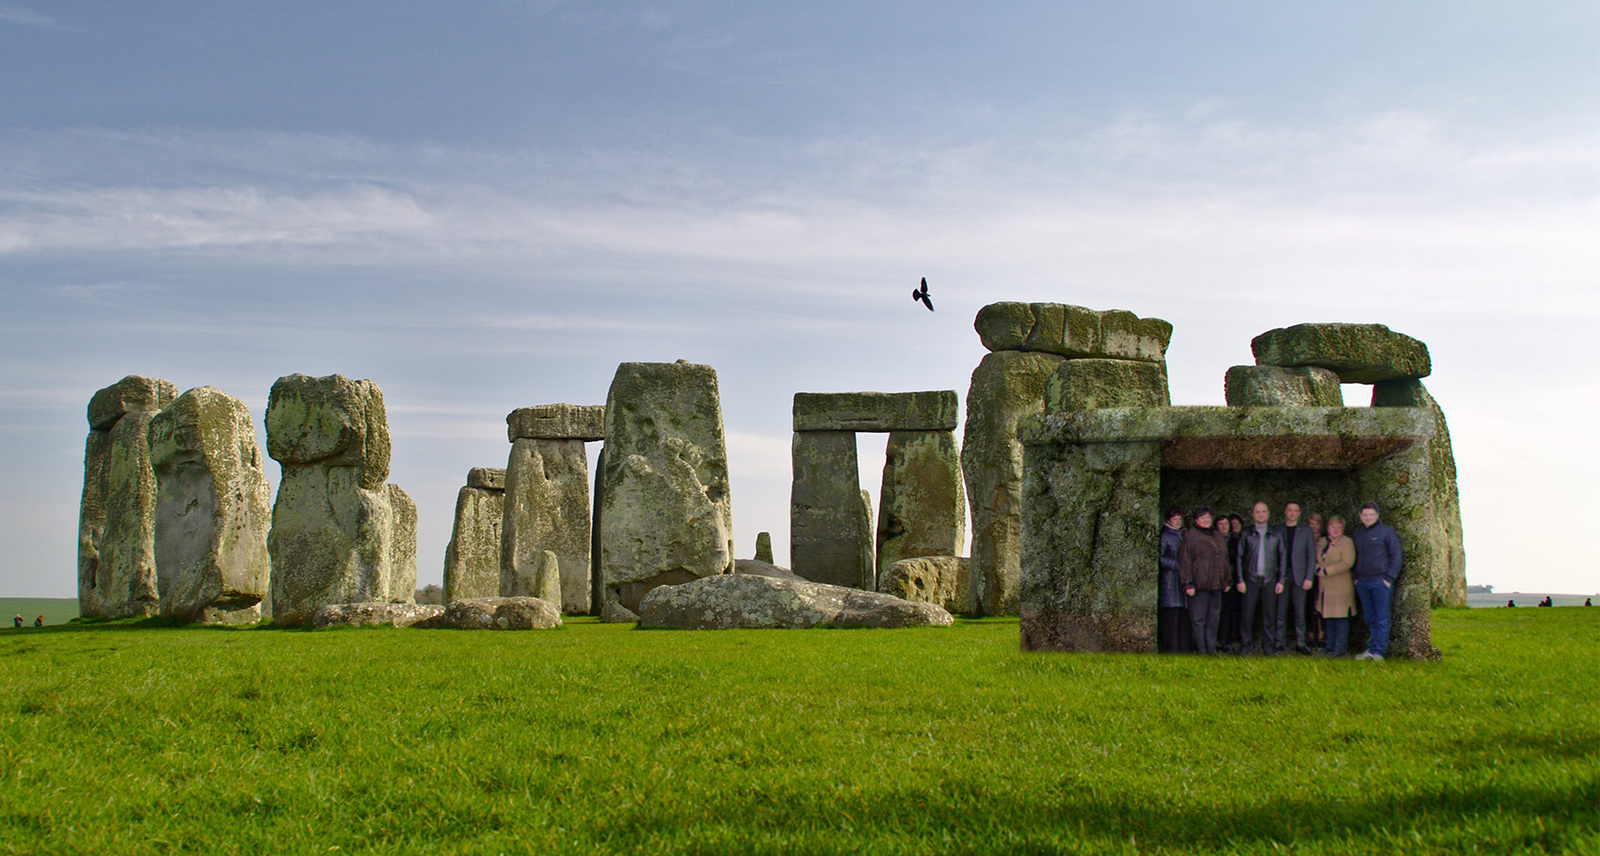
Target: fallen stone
[
  {"x": 498, "y": 613},
  {"x": 933, "y": 410},
  {"x": 487, "y": 478},
  {"x": 758, "y": 568},
  {"x": 116, "y": 542},
  {"x": 374, "y": 614},
  {"x": 830, "y": 537},
  {"x": 330, "y": 421},
  {"x": 1276, "y": 386},
  {"x": 764, "y": 547},
  {"x": 547, "y": 509},
  {"x": 931, "y": 579},
  {"x": 1442, "y": 510},
  {"x": 132, "y": 394},
  {"x": 1072, "y": 331},
  {"x": 1358, "y": 353},
  {"x": 213, "y": 507},
  {"x": 472, "y": 558},
  {"x": 743, "y": 601},
  {"x": 922, "y": 507},
  {"x": 556, "y": 422},
  {"x": 1090, "y": 384}
]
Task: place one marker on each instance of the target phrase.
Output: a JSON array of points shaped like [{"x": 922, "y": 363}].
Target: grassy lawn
[
  {"x": 129, "y": 738},
  {"x": 56, "y": 610}
]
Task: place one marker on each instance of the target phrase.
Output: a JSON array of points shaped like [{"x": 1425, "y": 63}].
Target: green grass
[
  {"x": 130, "y": 738},
  {"x": 56, "y": 610}
]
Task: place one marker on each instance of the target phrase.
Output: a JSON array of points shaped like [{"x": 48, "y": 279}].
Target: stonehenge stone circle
[
  {"x": 764, "y": 547},
  {"x": 213, "y": 509},
  {"x": 116, "y": 523},
  {"x": 1072, "y": 331},
  {"x": 666, "y": 513},
  {"x": 922, "y": 504},
  {"x": 1358, "y": 353},
  {"x": 1276, "y": 386},
  {"x": 333, "y": 537},
  {"x": 472, "y": 558},
  {"x": 745, "y": 601},
  {"x": 931, "y": 579},
  {"x": 547, "y": 500},
  {"x": 830, "y": 533},
  {"x": 1089, "y": 384}
]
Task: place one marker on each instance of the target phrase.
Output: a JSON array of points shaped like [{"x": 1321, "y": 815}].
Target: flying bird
[{"x": 922, "y": 294}]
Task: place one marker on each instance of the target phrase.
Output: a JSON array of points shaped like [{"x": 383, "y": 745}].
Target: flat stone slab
[
  {"x": 748, "y": 602},
  {"x": 557, "y": 422},
  {"x": 932, "y": 410},
  {"x": 1072, "y": 331},
  {"x": 132, "y": 394},
  {"x": 1358, "y": 353},
  {"x": 497, "y": 613},
  {"x": 1277, "y": 386},
  {"x": 487, "y": 478},
  {"x": 375, "y": 614}
]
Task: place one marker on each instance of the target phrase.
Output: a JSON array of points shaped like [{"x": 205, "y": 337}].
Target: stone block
[
  {"x": 1004, "y": 326},
  {"x": 932, "y": 410},
  {"x": 497, "y": 613},
  {"x": 1276, "y": 386},
  {"x": 402, "y": 579},
  {"x": 931, "y": 579},
  {"x": 376, "y": 614},
  {"x": 747, "y": 601},
  {"x": 667, "y": 515},
  {"x": 1358, "y": 353},
  {"x": 116, "y": 527},
  {"x": 556, "y": 422},
  {"x": 1072, "y": 331},
  {"x": 1444, "y": 500},
  {"x": 547, "y": 508},
  {"x": 764, "y": 547},
  {"x": 330, "y": 421},
  {"x": 213, "y": 508},
  {"x": 487, "y": 478},
  {"x": 132, "y": 394},
  {"x": 472, "y": 558},
  {"x": 1090, "y": 384},
  {"x": 922, "y": 505},
  {"x": 830, "y": 539}
]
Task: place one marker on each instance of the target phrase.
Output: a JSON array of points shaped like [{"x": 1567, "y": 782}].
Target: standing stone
[
  {"x": 403, "y": 558},
  {"x": 1275, "y": 386},
  {"x": 1444, "y": 500},
  {"x": 764, "y": 547},
  {"x": 1090, "y": 384},
  {"x": 922, "y": 506},
  {"x": 829, "y": 539},
  {"x": 667, "y": 513},
  {"x": 472, "y": 558},
  {"x": 116, "y": 524},
  {"x": 1358, "y": 353},
  {"x": 333, "y": 536},
  {"x": 547, "y": 508},
  {"x": 547, "y": 579},
  {"x": 213, "y": 508},
  {"x": 1006, "y": 386}
]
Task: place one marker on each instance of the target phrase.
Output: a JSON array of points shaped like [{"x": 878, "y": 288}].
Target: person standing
[
  {"x": 1203, "y": 573},
  {"x": 1314, "y": 633},
  {"x": 1336, "y": 594},
  {"x": 1300, "y": 566},
  {"x": 1376, "y": 570},
  {"x": 1261, "y": 571},
  {"x": 1232, "y": 600},
  {"x": 1172, "y": 627}
]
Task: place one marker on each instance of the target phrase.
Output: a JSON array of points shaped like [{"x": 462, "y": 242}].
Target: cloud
[{"x": 18, "y": 15}]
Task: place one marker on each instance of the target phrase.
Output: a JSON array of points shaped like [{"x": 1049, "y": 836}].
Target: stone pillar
[
  {"x": 472, "y": 558},
  {"x": 403, "y": 549},
  {"x": 333, "y": 537},
  {"x": 1402, "y": 485},
  {"x": 1450, "y": 573},
  {"x": 764, "y": 547},
  {"x": 213, "y": 508},
  {"x": 116, "y": 523},
  {"x": 667, "y": 515},
  {"x": 922, "y": 506},
  {"x": 829, "y": 539},
  {"x": 547, "y": 500}
]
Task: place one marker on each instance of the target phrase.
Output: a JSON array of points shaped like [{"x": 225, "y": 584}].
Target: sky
[{"x": 485, "y": 206}]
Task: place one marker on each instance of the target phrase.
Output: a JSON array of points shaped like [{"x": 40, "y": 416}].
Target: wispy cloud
[{"x": 18, "y": 15}]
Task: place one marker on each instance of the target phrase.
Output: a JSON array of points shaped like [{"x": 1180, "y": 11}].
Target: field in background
[
  {"x": 56, "y": 610},
  {"x": 129, "y": 738}
]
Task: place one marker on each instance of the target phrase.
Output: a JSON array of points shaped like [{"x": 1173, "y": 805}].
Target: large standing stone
[
  {"x": 1006, "y": 386},
  {"x": 922, "y": 505},
  {"x": 751, "y": 602},
  {"x": 931, "y": 579},
  {"x": 1275, "y": 386},
  {"x": 333, "y": 537},
  {"x": 1444, "y": 500},
  {"x": 1358, "y": 353},
  {"x": 764, "y": 547},
  {"x": 1072, "y": 331},
  {"x": 1090, "y": 384},
  {"x": 116, "y": 524},
  {"x": 213, "y": 508},
  {"x": 547, "y": 508},
  {"x": 667, "y": 514},
  {"x": 830, "y": 539},
  {"x": 930, "y": 410},
  {"x": 403, "y": 558},
  {"x": 472, "y": 558}
]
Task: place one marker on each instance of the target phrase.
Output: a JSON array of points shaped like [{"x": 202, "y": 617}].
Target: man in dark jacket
[
  {"x": 1172, "y": 624},
  {"x": 1377, "y": 568},
  {"x": 1299, "y": 566},
  {"x": 1260, "y": 570}
]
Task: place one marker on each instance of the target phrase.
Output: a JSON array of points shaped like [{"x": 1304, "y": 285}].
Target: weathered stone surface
[
  {"x": 922, "y": 505},
  {"x": 539, "y": 578},
  {"x": 331, "y": 421},
  {"x": 472, "y": 558},
  {"x": 931, "y": 579},
  {"x": 1006, "y": 386},
  {"x": 743, "y": 601},
  {"x": 487, "y": 478},
  {"x": 1088, "y": 384},
  {"x": 213, "y": 507},
  {"x": 402, "y": 579},
  {"x": 1276, "y": 386},
  {"x": 1358, "y": 353},
  {"x": 830, "y": 539},
  {"x": 932, "y": 410},
  {"x": 667, "y": 513},
  {"x": 132, "y": 394},
  {"x": 758, "y": 568},
  {"x": 375, "y": 614},
  {"x": 116, "y": 540},
  {"x": 547, "y": 508},
  {"x": 1444, "y": 500},
  {"x": 1072, "y": 331},
  {"x": 497, "y": 613},
  {"x": 764, "y": 547},
  {"x": 556, "y": 422}
]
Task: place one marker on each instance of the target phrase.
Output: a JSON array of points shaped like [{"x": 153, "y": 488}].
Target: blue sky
[{"x": 482, "y": 206}]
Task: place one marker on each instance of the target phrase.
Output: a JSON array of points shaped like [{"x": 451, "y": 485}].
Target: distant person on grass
[
  {"x": 38, "y": 622},
  {"x": 17, "y": 622},
  {"x": 1261, "y": 572},
  {"x": 1336, "y": 592},
  {"x": 1376, "y": 569},
  {"x": 1203, "y": 571},
  {"x": 1300, "y": 567},
  {"x": 1172, "y": 631}
]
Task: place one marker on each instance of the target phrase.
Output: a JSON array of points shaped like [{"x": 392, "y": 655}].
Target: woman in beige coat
[{"x": 1336, "y": 594}]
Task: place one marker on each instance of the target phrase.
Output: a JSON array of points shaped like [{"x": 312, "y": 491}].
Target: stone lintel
[
  {"x": 931, "y": 410},
  {"x": 487, "y": 478},
  {"x": 557, "y": 422}
]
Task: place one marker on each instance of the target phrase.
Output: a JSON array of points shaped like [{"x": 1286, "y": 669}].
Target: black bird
[{"x": 922, "y": 294}]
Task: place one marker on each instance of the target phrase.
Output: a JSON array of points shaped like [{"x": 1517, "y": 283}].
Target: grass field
[
  {"x": 56, "y": 610},
  {"x": 128, "y": 738}
]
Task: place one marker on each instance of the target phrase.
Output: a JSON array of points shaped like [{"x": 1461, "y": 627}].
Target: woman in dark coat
[
  {"x": 1228, "y": 623},
  {"x": 1172, "y": 628},
  {"x": 1203, "y": 572}
]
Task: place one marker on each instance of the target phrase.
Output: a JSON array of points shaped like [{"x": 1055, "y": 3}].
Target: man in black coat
[
  {"x": 1261, "y": 573},
  {"x": 1299, "y": 566}
]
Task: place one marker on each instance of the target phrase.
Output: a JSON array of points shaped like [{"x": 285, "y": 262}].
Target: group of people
[
  {"x": 1219, "y": 575},
  {"x": 17, "y": 622}
]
